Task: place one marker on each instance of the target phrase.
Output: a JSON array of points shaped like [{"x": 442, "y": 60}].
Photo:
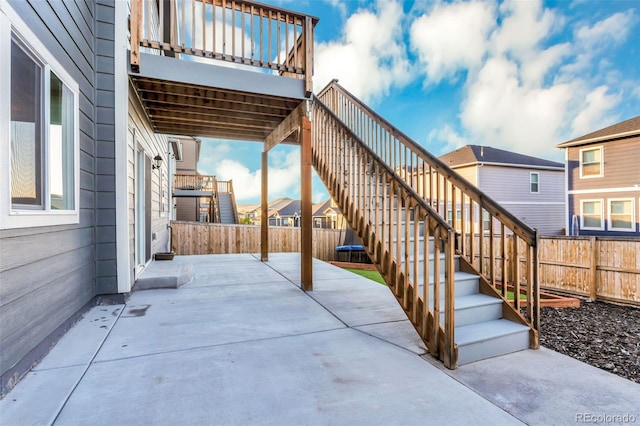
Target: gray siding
[
  {"x": 142, "y": 137},
  {"x": 189, "y": 163},
  {"x": 48, "y": 273},
  {"x": 510, "y": 186},
  {"x": 106, "y": 271}
]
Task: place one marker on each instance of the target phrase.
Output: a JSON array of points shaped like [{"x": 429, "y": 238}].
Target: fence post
[{"x": 593, "y": 283}]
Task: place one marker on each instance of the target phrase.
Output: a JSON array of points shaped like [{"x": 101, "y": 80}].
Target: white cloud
[
  {"x": 524, "y": 25},
  {"x": 614, "y": 29},
  {"x": 370, "y": 57},
  {"x": 449, "y": 136},
  {"x": 284, "y": 177},
  {"x": 500, "y": 111},
  {"x": 452, "y": 37},
  {"x": 594, "y": 115}
]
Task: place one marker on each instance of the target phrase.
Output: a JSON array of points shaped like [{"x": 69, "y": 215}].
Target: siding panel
[{"x": 48, "y": 273}]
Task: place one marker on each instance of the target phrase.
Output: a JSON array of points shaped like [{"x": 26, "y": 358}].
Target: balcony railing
[
  {"x": 238, "y": 31},
  {"x": 196, "y": 182}
]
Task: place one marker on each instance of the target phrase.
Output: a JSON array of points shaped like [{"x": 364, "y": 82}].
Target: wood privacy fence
[
  {"x": 208, "y": 238},
  {"x": 598, "y": 268}
]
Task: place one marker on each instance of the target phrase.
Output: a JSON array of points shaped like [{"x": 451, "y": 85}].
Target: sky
[{"x": 520, "y": 75}]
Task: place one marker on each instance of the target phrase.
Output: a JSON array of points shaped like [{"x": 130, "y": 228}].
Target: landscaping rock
[{"x": 604, "y": 335}]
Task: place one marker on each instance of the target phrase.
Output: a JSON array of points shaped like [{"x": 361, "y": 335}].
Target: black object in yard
[{"x": 352, "y": 253}]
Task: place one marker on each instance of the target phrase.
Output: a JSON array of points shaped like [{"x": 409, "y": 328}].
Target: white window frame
[
  {"x": 531, "y": 182},
  {"x": 633, "y": 215},
  {"x": 593, "y": 148},
  {"x": 590, "y": 228},
  {"x": 13, "y": 216}
]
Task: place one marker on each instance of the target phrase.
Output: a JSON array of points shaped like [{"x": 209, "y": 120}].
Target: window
[
  {"x": 621, "y": 215},
  {"x": 591, "y": 217},
  {"x": 534, "y": 182},
  {"x": 486, "y": 220},
  {"x": 591, "y": 162},
  {"x": 40, "y": 163}
]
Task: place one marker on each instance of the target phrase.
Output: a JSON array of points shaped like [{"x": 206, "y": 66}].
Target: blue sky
[{"x": 519, "y": 75}]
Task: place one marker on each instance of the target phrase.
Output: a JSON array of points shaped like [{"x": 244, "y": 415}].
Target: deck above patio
[{"x": 216, "y": 68}]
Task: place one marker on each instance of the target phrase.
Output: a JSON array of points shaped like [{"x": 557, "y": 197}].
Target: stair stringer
[{"x": 389, "y": 269}]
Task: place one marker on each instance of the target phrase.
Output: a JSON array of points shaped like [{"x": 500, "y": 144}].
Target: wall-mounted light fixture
[{"x": 157, "y": 162}]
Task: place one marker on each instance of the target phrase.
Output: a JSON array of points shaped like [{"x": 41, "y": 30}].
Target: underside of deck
[{"x": 189, "y": 98}]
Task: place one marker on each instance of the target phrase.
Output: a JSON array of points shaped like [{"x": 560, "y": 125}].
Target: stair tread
[
  {"x": 473, "y": 300},
  {"x": 473, "y": 333}
]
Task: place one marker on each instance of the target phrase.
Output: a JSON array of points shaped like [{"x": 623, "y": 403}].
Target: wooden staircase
[{"x": 449, "y": 253}]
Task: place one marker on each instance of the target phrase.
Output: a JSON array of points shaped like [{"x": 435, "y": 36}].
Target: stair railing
[
  {"x": 392, "y": 220},
  {"x": 495, "y": 244}
]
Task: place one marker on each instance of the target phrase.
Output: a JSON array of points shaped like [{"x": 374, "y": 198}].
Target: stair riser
[
  {"x": 462, "y": 288},
  {"x": 474, "y": 315},
  {"x": 493, "y": 347}
]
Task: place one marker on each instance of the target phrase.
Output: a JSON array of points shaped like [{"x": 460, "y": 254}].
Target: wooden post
[
  {"x": 264, "y": 207},
  {"x": 450, "y": 350},
  {"x": 306, "y": 231},
  {"x": 593, "y": 284},
  {"x": 136, "y": 30},
  {"x": 308, "y": 57}
]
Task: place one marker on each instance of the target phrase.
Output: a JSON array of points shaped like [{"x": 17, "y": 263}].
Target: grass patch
[{"x": 372, "y": 275}]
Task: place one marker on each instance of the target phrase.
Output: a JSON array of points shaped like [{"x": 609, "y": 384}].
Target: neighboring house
[
  {"x": 282, "y": 212},
  {"x": 327, "y": 215},
  {"x": 190, "y": 206},
  {"x": 83, "y": 177},
  {"x": 603, "y": 181},
  {"x": 531, "y": 188}
]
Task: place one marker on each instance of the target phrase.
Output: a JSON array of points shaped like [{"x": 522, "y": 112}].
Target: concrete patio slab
[
  {"x": 544, "y": 387},
  {"x": 40, "y": 396},
  {"x": 168, "y": 320},
  {"x": 80, "y": 344},
  {"x": 399, "y": 333},
  {"x": 334, "y": 377},
  {"x": 268, "y": 353}
]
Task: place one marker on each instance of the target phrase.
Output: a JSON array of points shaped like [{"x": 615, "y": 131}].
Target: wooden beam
[
  {"x": 264, "y": 209},
  {"x": 287, "y": 126},
  {"x": 136, "y": 30},
  {"x": 306, "y": 231}
]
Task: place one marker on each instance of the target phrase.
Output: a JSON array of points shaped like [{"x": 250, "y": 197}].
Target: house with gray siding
[
  {"x": 84, "y": 205},
  {"x": 603, "y": 181},
  {"x": 531, "y": 188}
]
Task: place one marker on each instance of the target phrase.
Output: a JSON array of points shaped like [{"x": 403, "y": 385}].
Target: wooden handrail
[
  {"x": 239, "y": 31},
  {"x": 390, "y": 217},
  {"x": 329, "y": 96}
]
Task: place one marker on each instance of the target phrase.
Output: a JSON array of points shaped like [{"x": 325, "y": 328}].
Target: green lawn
[{"x": 372, "y": 275}]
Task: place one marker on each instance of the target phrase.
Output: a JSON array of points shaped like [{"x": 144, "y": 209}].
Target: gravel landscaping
[{"x": 601, "y": 334}]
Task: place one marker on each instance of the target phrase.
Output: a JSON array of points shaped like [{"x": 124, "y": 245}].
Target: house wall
[
  {"x": 190, "y": 152},
  {"x": 186, "y": 208},
  {"x": 142, "y": 137},
  {"x": 48, "y": 274},
  {"x": 510, "y": 187},
  {"x": 620, "y": 180}
]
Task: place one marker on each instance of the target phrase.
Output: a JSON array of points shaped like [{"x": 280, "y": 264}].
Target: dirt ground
[{"x": 601, "y": 334}]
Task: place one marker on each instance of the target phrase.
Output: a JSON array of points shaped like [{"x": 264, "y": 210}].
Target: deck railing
[
  {"x": 195, "y": 182},
  {"x": 237, "y": 31}
]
